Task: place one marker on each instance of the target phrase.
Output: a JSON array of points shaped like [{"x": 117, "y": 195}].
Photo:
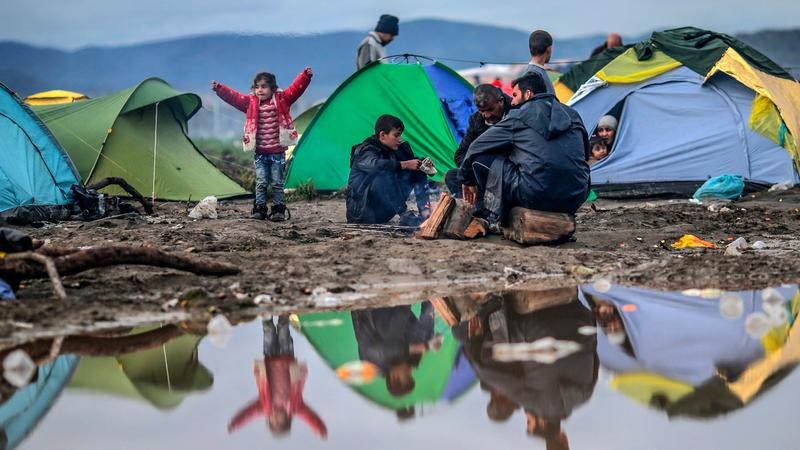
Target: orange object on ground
[{"x": 690, "y": 240}]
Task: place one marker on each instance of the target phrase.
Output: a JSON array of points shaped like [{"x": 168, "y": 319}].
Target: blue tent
[
  {"x": 683, "y": 337},
  {"x": 20, "y": 414},
  {"x": 34, "y": 169},
  {"x": 678, "y": 129}
]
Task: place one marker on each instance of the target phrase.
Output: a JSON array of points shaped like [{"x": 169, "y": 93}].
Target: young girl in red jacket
[{"x": 268, "y": 131}]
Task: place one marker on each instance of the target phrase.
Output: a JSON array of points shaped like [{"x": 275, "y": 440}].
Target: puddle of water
[{"x": 613, "y": 367}]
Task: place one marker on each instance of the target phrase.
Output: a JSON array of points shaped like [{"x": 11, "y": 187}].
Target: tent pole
[{"x": 155, "y": 147}]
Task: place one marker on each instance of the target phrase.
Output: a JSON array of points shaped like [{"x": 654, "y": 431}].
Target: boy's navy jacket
[{"x": 370, "y": 160}]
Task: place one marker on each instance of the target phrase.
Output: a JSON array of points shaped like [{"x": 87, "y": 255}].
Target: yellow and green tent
[{"x": 692, "y": 104}]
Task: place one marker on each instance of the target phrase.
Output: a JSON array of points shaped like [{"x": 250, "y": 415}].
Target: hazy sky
[{"x": 77, "y": 23}]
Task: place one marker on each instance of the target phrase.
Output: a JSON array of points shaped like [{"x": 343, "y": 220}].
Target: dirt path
[{"x": 627, "y": 242}]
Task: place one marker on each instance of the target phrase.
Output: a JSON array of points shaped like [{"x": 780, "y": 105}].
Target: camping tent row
[
  {"x": 139, "y": 134},
  {"x": 694, "y": 104},
  {"x": 432, "y": 100}
]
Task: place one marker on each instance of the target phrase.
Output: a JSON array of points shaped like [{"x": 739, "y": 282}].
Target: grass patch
[{"x": 303, "y": 192}]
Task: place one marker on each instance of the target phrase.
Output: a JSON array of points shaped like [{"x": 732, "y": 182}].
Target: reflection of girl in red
[{"x": 280, "y": 379}]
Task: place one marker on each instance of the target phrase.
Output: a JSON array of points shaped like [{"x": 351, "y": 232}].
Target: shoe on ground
[
  {"x": 259, "y": 212},
  {"x": 277, "y": 213}
]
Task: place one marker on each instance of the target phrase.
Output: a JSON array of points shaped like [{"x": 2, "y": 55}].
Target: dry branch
[
  {"x": 147, "y": 205},
  {"x": 90, "y": 258}
]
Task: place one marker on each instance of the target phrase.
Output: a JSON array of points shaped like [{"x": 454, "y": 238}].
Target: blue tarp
[
  {"x": 34, "y": 169},
  {"x": 456, "y": 99},
  {"x": 675, "y": 127}
]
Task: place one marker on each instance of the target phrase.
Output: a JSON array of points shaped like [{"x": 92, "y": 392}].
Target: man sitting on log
[
  {"x": 534, "y": 158},
  {"x": 493, "y": 105},
  {"x": 383, "y": 171}
]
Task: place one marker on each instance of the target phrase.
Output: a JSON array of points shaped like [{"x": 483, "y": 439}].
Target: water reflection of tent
[
  {"x": 27, "y": 406},
  {"x": 441, "y": 376},
  {"x": 689, "y": 360},
  {"x": 162, "y": 376}
]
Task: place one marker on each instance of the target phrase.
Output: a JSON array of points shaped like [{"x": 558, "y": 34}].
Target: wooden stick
[
  {"x": 475, "y": 229},
  {"x": 458, "y": 221},
  {"x": 430, "y": 228}
]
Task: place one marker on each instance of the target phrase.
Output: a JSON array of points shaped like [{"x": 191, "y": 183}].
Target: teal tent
[
  {"x": 34, "y": 169},
  {"x": 20, "y": 413}
]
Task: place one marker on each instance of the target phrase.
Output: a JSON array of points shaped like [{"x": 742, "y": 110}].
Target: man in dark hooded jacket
[
  {"x": 534, "y": 158},
  {"x": 492, "y": 106},
  {"x": 383, "y": 171}
]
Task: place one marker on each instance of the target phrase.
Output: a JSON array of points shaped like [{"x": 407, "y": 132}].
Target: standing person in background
[
  {"x": 371, "y": 47},
  {"x": 613, "y": 40},
  {"x": 540, "y": 44}
]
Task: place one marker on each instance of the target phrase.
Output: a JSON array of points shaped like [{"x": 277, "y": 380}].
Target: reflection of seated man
[
  {"x": 599, "y": 149},
  {"x": 394, "y": 339},
  {"x": 534, "y": 158},
  {"x": 547, "y": 392},
  {"x": 607, "y": 129},
  {"x": 280, "y": 380},
  {"x": 383, "y": 171},
  {"x": 492, "y": 106}
]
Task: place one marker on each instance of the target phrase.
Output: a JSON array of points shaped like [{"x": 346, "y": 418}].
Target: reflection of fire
[{"x": 357, "y": 372}]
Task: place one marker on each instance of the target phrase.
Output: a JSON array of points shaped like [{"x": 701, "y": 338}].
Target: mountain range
[{"x": 190, "y": 63}]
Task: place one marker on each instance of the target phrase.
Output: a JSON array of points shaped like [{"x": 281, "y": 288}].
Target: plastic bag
[
  {"x": 206, "y": 208},
  {"x": 723, "y": 186}
]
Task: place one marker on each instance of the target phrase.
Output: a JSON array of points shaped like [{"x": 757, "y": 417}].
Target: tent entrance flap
[{"x": 149, "y": 150}]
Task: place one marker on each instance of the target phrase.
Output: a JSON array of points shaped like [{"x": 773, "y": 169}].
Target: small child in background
[
  {"x": 268, "y": 129},
  {"x": 599, "y": 147}
]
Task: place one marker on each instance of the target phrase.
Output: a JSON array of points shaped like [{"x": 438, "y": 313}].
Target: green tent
[
  {"x": 139, "y": 134},
  {"x": 432, "y": 100},
  {"x": 302, "y": 121},
  {"x": 162, "y": 376},
  {"x": 440, "y": 376}
]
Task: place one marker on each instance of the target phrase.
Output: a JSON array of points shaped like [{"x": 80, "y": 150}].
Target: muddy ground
[{"x": 624, "y": 241}]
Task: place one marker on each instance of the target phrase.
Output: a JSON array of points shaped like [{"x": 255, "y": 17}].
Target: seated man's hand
[
  {"x": 411, "y": 164},
  {"x": 470, "y": 194}
]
